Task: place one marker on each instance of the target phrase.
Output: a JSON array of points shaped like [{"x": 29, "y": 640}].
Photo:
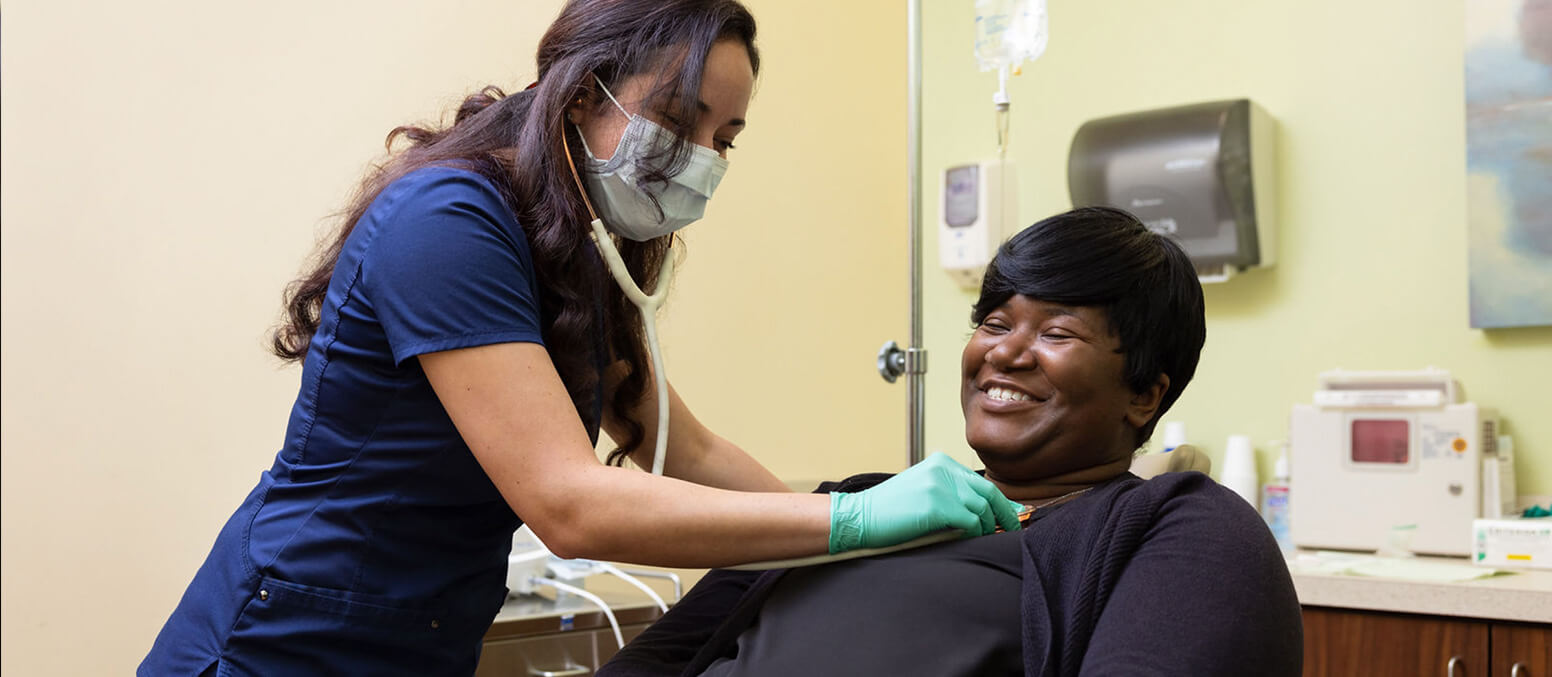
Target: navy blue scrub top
[{"x": 375, "y": 544}]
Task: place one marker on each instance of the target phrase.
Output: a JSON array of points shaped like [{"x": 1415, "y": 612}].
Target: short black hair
[{"x": 1105, "y": 257}]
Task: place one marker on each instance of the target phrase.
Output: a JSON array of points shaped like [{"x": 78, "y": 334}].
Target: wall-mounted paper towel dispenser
[{"x": 1202, "y": 174}]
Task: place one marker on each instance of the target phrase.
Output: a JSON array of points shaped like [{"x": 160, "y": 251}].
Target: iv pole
[{"x": 912, "y": 361}]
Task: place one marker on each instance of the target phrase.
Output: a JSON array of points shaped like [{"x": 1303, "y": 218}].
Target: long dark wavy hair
[{"x": 517, "y": 142}]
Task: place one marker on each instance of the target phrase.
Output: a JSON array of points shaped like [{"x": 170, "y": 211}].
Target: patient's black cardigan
[{"x": 1170, "y": 576}]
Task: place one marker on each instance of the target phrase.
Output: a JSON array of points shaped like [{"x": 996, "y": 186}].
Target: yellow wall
[
  {"x": 798, "y": 274},
  {"x": 1371, "y": 188},
  {"x": 166, "y": 167}
]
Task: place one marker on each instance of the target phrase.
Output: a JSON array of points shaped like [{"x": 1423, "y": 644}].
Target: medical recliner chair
[{"x": 1181, "y": 458}]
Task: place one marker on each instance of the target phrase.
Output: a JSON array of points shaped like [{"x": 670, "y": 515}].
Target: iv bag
[{"x": 1009, "y": 32}]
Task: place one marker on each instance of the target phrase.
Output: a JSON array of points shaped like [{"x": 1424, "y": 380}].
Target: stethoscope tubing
[{"x": 649, "y": 305}]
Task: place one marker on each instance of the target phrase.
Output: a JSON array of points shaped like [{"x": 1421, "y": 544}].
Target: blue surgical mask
[{"x": 625, "y": 205}]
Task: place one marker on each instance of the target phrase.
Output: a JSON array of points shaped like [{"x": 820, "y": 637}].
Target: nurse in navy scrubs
[{"x": 462, "y": 344}]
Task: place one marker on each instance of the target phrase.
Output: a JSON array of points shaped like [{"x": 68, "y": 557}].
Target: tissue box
[{"x": 1512, "y": 543}]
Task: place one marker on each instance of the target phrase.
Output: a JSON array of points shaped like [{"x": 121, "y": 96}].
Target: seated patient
[{"x": 1087, "y": 329}]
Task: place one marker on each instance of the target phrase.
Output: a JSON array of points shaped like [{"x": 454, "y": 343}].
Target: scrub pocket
[{"x": 292, "y": 629}]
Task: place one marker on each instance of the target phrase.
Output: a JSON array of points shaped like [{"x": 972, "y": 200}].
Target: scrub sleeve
[{"x": 375, "y": 544}]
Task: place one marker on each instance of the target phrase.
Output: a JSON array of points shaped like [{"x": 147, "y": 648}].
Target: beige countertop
[{"x": 1523, "y": 595}]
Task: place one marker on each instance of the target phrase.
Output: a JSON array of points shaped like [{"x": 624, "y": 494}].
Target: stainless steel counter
[
  {"x": 529, "y": 615},
  {"x": 535, "y": 635}
]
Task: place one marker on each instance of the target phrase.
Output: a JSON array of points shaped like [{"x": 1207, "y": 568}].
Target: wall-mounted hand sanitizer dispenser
[
  {"x": 1202, "y": 174},
  {"x": 980, "y": 205}
]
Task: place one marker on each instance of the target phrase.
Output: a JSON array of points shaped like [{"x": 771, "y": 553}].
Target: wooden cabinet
[
  {"x": 1521, "y": 650},
  {"x": 1346, "y": 642},
  {"x": 1340, "y": 642}
]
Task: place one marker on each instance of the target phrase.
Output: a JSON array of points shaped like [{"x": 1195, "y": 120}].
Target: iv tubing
[
  {"x": 1000, "y": 103},
  {"x": 614, "y": 624},
  {"x": 612, "y": 569}
]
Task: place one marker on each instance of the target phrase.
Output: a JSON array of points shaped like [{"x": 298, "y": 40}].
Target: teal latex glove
[{"x": 936, "y": 494}]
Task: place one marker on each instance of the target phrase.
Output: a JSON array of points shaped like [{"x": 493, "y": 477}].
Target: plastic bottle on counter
[{"x": 1274, "y": 505}]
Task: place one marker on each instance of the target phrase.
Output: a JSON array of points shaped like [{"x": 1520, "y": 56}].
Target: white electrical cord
[
  {"x": 665, "y": 575},
  {"x": 614, "y": 624},
  {"x": 612, "y": 569}
]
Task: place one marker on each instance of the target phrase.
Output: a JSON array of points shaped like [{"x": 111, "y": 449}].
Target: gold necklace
[
  {"x": 1061, "y": 499},
  {"x": 1027, "y": 514}
]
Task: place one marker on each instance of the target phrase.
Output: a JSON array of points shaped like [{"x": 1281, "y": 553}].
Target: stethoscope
[{"x": 648, "y": 303}]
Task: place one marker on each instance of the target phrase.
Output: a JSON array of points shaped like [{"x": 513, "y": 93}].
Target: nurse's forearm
[
  {"x": 514, "y": 412},
  {"x": 723, "y": 465},
  {"x": 695, "y": 453},
  {"x": 641, "y": 519}
]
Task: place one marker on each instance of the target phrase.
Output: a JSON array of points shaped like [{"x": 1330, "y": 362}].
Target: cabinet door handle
[
  {"x": 1517, "y": 670},
  {"x": 1449, "y": 668},
  {"x": 571, "y": 670}
]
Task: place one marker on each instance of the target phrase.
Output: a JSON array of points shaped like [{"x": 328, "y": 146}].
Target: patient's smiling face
[{"x": 1043, "y": 393}]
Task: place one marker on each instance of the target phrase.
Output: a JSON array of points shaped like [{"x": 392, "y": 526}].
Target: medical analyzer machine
[{"x": 1385, "y": 450}]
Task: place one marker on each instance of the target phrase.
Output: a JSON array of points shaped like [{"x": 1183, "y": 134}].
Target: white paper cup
[{"x": 1239, "y": 469}]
